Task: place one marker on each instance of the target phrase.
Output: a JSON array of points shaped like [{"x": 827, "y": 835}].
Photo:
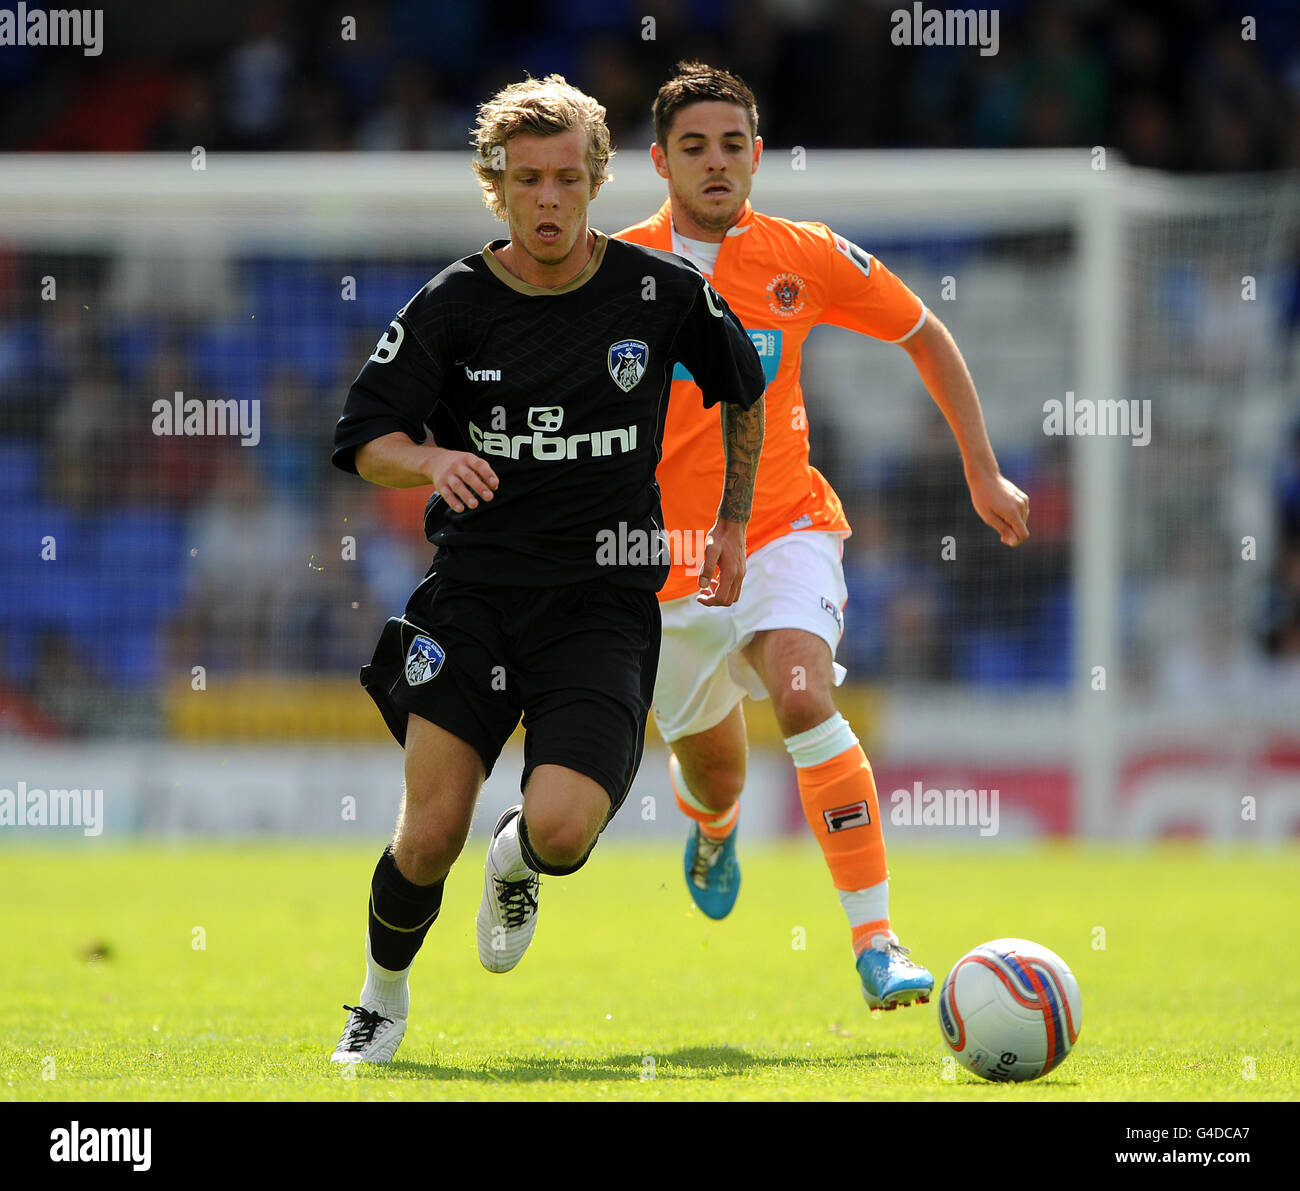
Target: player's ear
[
  {"x": 660, "y": 159},
  {"x": 758, "y": 153}
]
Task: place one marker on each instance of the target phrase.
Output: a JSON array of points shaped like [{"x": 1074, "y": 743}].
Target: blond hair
[{"x": 540, "y": 107}]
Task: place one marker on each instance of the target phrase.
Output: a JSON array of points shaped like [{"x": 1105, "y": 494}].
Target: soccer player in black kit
[{"x": 542, "y": 367}]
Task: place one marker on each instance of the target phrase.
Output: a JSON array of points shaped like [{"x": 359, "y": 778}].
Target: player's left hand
[
  {"x": 1001, "y": 505},
  {"x": 723, "y": 570}
]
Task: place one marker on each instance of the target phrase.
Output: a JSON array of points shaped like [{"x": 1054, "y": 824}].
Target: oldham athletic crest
[
  {"x": 423, "y": 660},
  {"x": 627, "y": 363}
]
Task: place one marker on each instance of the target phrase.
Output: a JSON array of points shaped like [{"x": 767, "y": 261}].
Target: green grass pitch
[{"x": 224, "y": 969}]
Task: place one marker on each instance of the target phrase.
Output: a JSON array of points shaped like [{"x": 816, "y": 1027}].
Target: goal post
[{"x": 1043, "y": 263}]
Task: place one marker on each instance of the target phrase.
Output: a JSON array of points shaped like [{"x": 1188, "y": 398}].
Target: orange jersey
[{"x": 781, "y": 279}]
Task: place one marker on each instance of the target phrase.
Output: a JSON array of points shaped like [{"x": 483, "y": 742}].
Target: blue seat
[
  {"x": 20, "y": 354},
  {"x": 23, "y": 526},
  {"x": 134, "y": 346},
  {"x": 130, "y": 657},
  {"x": 232, "y": 359},
  {"x": 992, "y": 659},
  {"x": 141, "y": 562},
  {"x": 1052, "y": 652},
  {"x": 139, "y": 537},
  {"x": 313, "y": 349},
  {"x": 19, "y": 655}
]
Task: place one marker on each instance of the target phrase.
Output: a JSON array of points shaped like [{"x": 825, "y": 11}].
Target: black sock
[{"x": 400, "y": 914}]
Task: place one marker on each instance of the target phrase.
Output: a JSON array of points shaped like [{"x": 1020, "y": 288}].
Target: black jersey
[{"x": 564, "y": 391}]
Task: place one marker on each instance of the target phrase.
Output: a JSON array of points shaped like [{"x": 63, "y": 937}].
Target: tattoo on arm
[{"x": 742, "y": 443}]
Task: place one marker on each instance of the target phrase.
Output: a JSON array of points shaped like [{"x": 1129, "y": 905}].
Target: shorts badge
[{"x": 423, "y": 660}]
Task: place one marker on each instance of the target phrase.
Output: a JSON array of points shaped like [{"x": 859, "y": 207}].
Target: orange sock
[
  {"x": 714, "y": 824},
  {"x": 838, "y": 792},
  {"x": 840, "y": 804}
]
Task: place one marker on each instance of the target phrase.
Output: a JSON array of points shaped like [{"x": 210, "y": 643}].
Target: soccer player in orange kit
[{"x": 781, "y": 278}]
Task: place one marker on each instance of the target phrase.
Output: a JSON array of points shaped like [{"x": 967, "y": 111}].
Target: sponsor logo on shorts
[
  {"x": 423, "y": 660},
  {"x": 834, "y": 611},
  {"x": 841, "y": 818}
]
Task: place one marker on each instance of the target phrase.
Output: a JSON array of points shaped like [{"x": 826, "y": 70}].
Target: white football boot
[
  {"x": 369, "y": 1037},
  {"x": 507, "y": 916}
]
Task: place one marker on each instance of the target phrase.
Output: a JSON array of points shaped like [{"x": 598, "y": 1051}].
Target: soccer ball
[{"x": 1010, "y": 1010}]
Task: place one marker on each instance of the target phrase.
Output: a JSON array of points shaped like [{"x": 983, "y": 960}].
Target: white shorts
[{"x": 794, "y": 582}]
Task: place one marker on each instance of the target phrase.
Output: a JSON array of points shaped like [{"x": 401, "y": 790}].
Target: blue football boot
[
  {"x": 890, "y": 979},
  {"x": 712, "y": 872}
]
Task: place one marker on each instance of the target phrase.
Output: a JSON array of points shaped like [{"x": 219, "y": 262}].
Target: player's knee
[
  {"x": 717, "y": 786},
  {"x": 799, "y": 710},
  {"x": 426, "y": 850},
  {"x": 559, "y": 843}
]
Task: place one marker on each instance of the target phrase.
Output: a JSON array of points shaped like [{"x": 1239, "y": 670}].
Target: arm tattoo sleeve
[{"x": 742, "y": 443}]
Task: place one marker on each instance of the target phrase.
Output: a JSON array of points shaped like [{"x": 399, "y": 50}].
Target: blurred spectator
[
  {"x": 1211, "y": 665},
  {"x": 1063, "y": 82},
  {"x": 71, "y": 696},
  {"x": 1288, "y": 489},
  {"x": 271, "y": 582},
  {"x": 87, "y": 436},
  {"x": 1147, "y": 132},
  {"x": 190, "y": 117},
  {"x": 247, "y": 548},
  {"x": 893, "y": 630},
  {"x": 1175, "y": 87},
  {"x": 257, "y": 80},
  {"x": 317, "y": 122},
  {"x": 412, "y": 118},
  {"x": 1238, "y": 105}
]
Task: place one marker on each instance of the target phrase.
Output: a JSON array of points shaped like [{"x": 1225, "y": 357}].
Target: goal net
[{"x": 184, "y": 572}]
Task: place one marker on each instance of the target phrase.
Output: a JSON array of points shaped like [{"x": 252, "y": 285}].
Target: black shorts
[{"x": 576, "y": 662}]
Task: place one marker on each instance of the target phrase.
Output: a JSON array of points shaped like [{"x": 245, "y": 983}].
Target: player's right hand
[
  {"x": 722, "y": 571},
  {"x": 461, "y": 478}
]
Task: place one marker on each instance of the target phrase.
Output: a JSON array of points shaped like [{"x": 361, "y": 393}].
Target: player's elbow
[{"x": 364, "y": 458}]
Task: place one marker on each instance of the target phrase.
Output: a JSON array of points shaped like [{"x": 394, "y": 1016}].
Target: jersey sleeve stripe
[{"x": 920, "y": 322}]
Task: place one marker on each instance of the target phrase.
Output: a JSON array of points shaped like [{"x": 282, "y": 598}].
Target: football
[{"x": 1010, "y": 1010}]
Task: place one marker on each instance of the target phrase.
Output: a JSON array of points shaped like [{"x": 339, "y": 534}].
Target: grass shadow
[{"x": 694, "y": 1063}]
